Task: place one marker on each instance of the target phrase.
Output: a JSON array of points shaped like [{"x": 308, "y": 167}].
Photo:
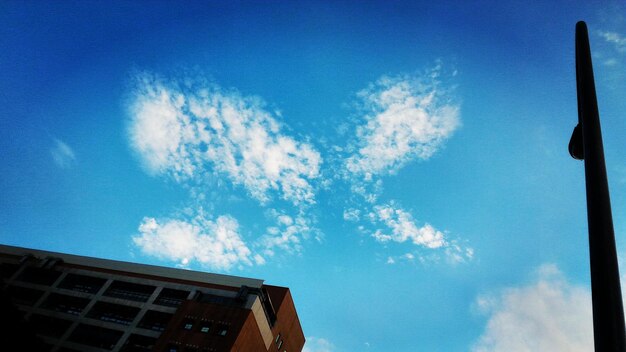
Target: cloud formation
[
  {"x": 403, "y": 228},
  {"x": 405, "y": 118},
  {"x": 286, "y": 234},
  {"x": 186, "y": 130},
  {"x": 611, "y": 51},
  {"x": 351, "y": 214},
  {"x": 402, "y": 118},
  {"x": 214, "y": 244},
  {"x": 62, "y": 154},
  {"x": 615, "y": 39},
  {"x": 549, "y": 314},
  {"x": 194, "y": 131}
]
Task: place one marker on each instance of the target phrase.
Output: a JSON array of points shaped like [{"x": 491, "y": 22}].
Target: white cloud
[
  {"x": 616, "y": 39},
  {"x": 369, "y": 191},
  {"x": 287, "y": 233},
  {"x": 351, "y": 214},
  {"x": 406, "y": 118},
  {"x": 62, "y": 154},
  {"x": 456, "y": 254},
  {"x": 186, "y": 130},
  {"x": 259, "y": 260},
  {"x": 610, "y": 52},
  {"x": 403, "y": 228},
  {"x": 214, "y": 244},
  {"x": 317, "y": 344},
  {"x": 549, "y": 314}
]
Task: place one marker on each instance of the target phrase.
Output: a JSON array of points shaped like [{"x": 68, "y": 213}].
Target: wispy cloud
[
  {"x": 213, "y": 244},
  {"x": 549, "y": 314},
  {"x": 404, "y": 118},
  {"x": 389, "y": 223},
  {"x": 617, "y": 40},
  {"x": 62, "y": 154},
  {"x": 611, "y": 51},
  {"x": 186, "y": 130},
  {"x": 197, "y": 132},
  {"x": 455, "y": 253},
  {"x": 318, "y": 344},
  {"x": 402, "y": 228},
  {"x": 352, "y": 214},
  {"x": 287, "y": 233},
  {"x": 200, "y": 135},
  {"x": 401, "y": 118}
]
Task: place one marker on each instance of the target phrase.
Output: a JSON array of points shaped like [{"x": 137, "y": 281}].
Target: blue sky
[{"x": 401, "y": 166}]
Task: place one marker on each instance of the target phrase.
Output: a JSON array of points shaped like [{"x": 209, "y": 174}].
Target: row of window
[
  {"x": 117, "y": 289},
  {"x": 89, "y": 284},
  {"x": 90, "y": 335},
  {"x": 205, "y": 327},
  {"x": 107, "y": 338},
  {"x": 105, "y": 311}
]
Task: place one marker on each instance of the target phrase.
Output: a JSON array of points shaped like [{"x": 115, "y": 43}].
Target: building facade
[{"x": 61, "y": 302}]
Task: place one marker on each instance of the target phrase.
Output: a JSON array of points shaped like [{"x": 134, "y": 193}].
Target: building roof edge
[{"x": 145, "y": 269}]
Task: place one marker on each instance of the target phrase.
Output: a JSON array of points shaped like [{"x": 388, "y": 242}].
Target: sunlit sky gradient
[{"x": 401, "y": 166}]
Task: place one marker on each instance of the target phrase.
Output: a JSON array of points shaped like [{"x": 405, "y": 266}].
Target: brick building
[{"x": 61, "y": 302}]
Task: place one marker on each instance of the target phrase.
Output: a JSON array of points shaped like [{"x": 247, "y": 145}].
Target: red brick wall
[
  {"x": 249, "y": 339},
  {"x": 234, "y": 318}
]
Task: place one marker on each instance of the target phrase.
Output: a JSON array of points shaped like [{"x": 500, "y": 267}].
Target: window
[
  {"x": 64, "y": 303},
  {"x": 156, "y": 321},
  {"x": 205, "y": 328},
  {"x": 222, "y": 330},
  {"x": 221, "y": 300},
  {"x": 130, "y": 291},
  {"x": 277, "y": 338},
  {"x": 95, "y": 336},
  {"x": 49, "y": 326},
  {"x": 187, "y": 324},
  {"x": 171, "y": 298},
  {"x": 173, "y": 348},
  {"x": 24, "y": 296},
  {"x": 39, "y": 276},
  {"x": 114, "y": 313},
  {"x": 8, "y": 269},
  {"x": 82, "y": 283},
  {"x": 280, "y": 344},
  {"x": 139, "y": 343}
]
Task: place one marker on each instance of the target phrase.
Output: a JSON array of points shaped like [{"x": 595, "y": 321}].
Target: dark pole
[{"x": 608, "y": 315}]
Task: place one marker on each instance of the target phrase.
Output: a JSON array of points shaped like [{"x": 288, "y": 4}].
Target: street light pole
[{"x": 586, "y": 143}]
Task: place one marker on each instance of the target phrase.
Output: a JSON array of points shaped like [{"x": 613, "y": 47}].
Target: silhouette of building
[{"x": 61, "y": 302}]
